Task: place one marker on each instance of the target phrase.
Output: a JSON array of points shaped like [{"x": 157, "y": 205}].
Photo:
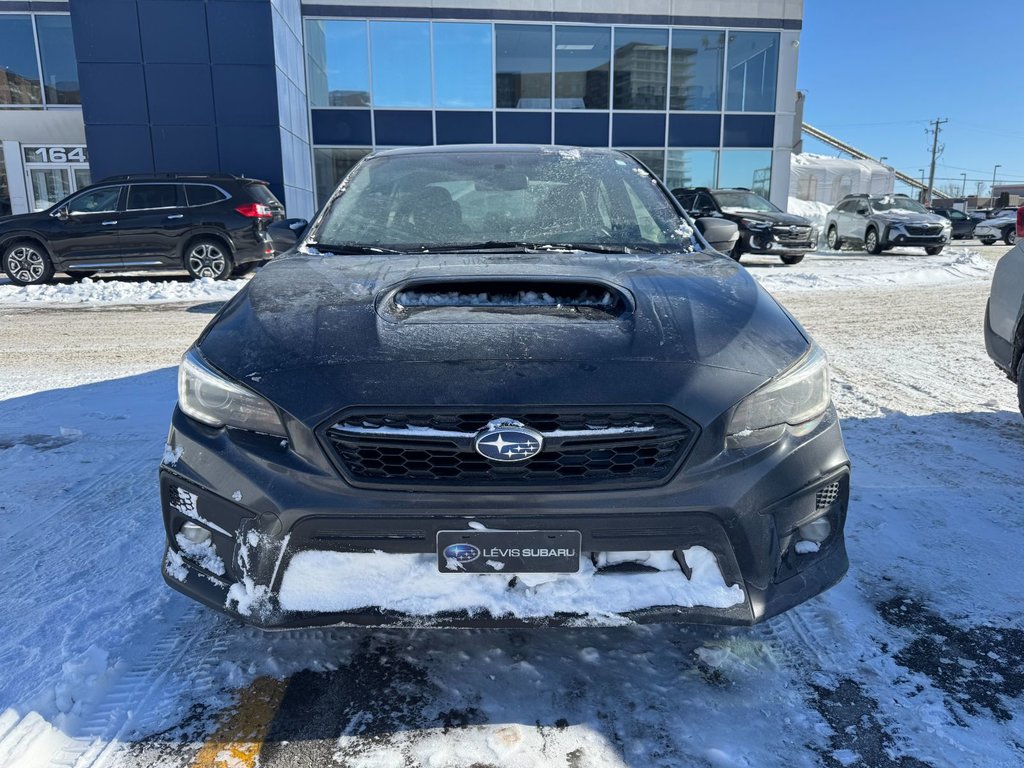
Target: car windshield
[
  {"x": 738, "y": 202},
  {"x": 552, "y": 198},
  {"x": 893, "y": 204}
]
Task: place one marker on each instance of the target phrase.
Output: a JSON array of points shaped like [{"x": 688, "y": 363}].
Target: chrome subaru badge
[{"x": 508, "y": 440}]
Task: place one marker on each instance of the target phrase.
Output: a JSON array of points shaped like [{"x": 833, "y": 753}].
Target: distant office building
[{"x": 296, "y": 93}]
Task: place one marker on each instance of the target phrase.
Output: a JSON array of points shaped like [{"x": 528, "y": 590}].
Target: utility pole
[
  {"x": 992, "y": 190},
  {"x": 936, "y": 128},
  {"x": 963, "y": 187}
]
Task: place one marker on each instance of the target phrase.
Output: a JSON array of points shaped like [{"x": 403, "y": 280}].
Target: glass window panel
[
  {"x": 19, "y": 72},
  {"x": 463, "y": 66},
  {"x": 582, "y": 67},
  {"x": 400, "y": 62},
  {"x": 48, "y": 186},
  {"x": 698, "y": 61},
  {"x": 57, "y": 51},
  {"x": 101, "y": 200},
  {"x": 641, "y": 68},
  {"x": 203, "y": 194},
  {"x": 652, "y": 158},
  {"x": 753, "y": 69},
  {"x": 5, "y": 189},
  {"x": 337, "y": 63},
  {"x": 83, "y": 177},
  {"x": 752, "y": 170},
  {"x": 523, "y": 77},
  {"x": 691, "y": 168},
  {"x": 331, "y": 166},
  {"x": 146, "y": 196}
]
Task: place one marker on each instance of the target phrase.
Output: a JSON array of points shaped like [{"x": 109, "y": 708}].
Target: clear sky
[{"x": 876, "y": 71}]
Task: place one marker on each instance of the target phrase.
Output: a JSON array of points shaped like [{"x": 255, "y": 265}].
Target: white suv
[{"x": 1004, "y": 325}]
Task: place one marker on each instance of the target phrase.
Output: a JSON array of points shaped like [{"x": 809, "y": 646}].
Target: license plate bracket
[{"x": 508, "y": 551}]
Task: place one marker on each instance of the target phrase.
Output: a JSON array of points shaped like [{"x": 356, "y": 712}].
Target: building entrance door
[{"x": 54, "y": 172}]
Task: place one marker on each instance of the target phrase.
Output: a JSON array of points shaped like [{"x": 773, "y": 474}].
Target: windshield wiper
[{"x": 349, "y": 249}]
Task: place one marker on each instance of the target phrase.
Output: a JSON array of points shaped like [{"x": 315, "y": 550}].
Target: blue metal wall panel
[
  {"x": 749, "y": 131},
  {"x": 581, "y": 128},
  {"x": 464, "y": 127},
  {"x": 118, "y": 149},
  {"x": 399, "y": 127},
  {"x": 639, "y": 130},
  {"x": 185, "y": 147},
  {"x": 694, "y": 130},
  {"x": 174, "y": 31},
  {"x": 179, "y": 94},
  {"x": 524, "y": 127},
  {"x": 342, "y": 127}
]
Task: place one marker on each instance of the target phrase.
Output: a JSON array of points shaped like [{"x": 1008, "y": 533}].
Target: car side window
[
  {"x": 703, "y": 202},
  {"x": 95, "y": 201},
  {"x": 862, "y": 208},
  {"x": 145, "y": 196},
  {"x": 202, "y": 194},
  {"x": 957, "y": 215}
]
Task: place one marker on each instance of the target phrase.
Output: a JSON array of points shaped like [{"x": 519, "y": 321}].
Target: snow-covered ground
[
  {"x": 119, "y": 290},
  {"x": 916, "y": 659}
]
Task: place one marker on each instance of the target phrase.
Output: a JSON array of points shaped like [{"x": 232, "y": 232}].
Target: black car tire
[
  {"x": 27, "y": 263},
  {"x": 871, "y": 242},
  {"x": 1020, "y": 385},
  {"x": 736, "y": 251},
  {"x": 934, "y": 250},
  {"x": 834, "y": 241},
  {"x": 207, "y": 257},
  {"x": 795, "y": 258},
  {"x": 1010, "y": 235},
  {"x": 987, "y": 241},
  {"x": 81, "y": 274}
]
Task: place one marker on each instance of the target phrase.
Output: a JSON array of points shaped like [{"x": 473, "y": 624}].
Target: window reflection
[
  {"x": 400, "y": 59},
  {"x": 523, "y": 77},
  {"x": 652, "y": 158},
  {"x": 19, "y": 73},
  {"x": 338, "y": 64},
  {"x": 691, "y": 168},
  {"x": 641, "y": 68},
  {"x": 330, "y": 166},
  {"x": 743, "y": 168},
  {"x": 57, "y": 51},
  {"x": 582, "y": 66},
  {"x": 698, "y": 60},
  {"x": 753, "y": 68},
  {"x": 462, "y": 66}
]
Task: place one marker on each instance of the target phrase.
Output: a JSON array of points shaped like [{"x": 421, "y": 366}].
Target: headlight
[
  {"x": 208, "y": 397},
  {"x": 799, "y": 394},
  {"x": 756, "y": 223}
]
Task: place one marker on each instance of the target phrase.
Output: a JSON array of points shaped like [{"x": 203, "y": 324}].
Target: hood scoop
[{"x": 506, "y": 299}]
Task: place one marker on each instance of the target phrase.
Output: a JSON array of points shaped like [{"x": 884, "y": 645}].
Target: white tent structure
[{"x": 822, "y": 179}]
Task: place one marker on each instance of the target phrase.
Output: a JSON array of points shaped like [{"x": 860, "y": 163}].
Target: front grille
[
  {"x": 435, "y": 449},
  {"x": 826, "y": 495},
  {"x": 797, "y": 235},
  {"x": 923, "y": 229}
]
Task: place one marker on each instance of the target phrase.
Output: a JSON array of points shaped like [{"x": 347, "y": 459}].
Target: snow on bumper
[{"x": 334, "y": 582}]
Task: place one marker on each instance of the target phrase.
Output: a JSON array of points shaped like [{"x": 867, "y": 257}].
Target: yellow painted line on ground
[{"x": 238, "y": 739}]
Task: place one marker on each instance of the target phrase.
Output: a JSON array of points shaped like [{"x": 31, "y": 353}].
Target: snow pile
[
  {"x": 813, "y": 211},
  {"x": 89, "y": 291},
  {"x": 853, "y": 271},
  {"x": 339, "y": 581}
]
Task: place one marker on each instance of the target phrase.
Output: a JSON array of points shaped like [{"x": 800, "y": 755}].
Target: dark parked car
[
  {"x": 963, "y": 225},
  {"x": 211, "y": 226},
  {"x": 883, "y": 222},
  {"x": 764, "y": 228},
  {"x": 503, "y": 385}
]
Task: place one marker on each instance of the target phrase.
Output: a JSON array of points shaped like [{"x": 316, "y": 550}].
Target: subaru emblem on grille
[
  {"x": 792, "y": 229},
  {"x": 508, "y": 440}
]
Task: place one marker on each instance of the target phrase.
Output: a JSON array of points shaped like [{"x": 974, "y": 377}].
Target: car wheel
[
  {"x": 1020, "y": 385},
  {"x": 987, "y": 241},
  {"x": 208, "y": 258},
  {"x": 792, "y": 259},
  {"x": 736, "y": 251},
  {"x": 1010, "y": 235},
  {"x": 832, "y": 238},
  {"x": 871, "y": 244},
  {"x": 27, "y": 264},
  {"x": 935, "y": 251}
]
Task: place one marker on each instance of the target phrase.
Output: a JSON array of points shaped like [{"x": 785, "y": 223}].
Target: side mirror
[
  {"x": 62, "y": 213},
  {"x": 285, "y": 234},
  {"x": 720, "y": 233}
]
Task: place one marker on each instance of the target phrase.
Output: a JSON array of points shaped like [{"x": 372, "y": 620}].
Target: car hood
[
  {"x": 786, "y": 219},
  {"x": 308, "y": 330},
  {"x": 913, "y": 218}
]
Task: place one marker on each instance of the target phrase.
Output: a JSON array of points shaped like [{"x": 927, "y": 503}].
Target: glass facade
[
  {"x": 21, "y": 83},
  {"x": 680, "y": 99}
]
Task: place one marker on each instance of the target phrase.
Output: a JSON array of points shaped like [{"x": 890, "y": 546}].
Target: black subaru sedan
[{"x": 498, "y": 385}]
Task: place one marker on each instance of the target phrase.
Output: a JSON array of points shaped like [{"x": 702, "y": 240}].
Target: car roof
[{"x": 184, "y": 177}]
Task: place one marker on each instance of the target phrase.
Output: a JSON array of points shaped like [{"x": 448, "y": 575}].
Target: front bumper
[
  {"x": 263, "y": 505},
  {"x": 766, "y": 242},
  {"x": 898, "y": 235}
]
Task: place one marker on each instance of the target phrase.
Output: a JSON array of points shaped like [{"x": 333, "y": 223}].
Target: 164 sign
[{"x": 56, "y": 155}]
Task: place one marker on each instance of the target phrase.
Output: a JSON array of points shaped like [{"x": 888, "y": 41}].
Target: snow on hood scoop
[{"x": 504, "y": 299}]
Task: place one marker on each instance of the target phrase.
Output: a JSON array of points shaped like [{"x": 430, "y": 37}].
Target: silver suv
[{"x": 883, "y": 222}]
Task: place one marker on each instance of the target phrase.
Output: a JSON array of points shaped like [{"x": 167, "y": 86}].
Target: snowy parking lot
[{"x": 915, "y": 659}]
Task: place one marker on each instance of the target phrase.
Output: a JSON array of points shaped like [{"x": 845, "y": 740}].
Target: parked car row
[
  {"x": 211, "y": 226},
  {"x": 879, "y": 223}
]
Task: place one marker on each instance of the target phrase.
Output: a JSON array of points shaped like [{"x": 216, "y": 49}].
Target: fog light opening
[
  {"x": 195, "y": 533},
  {"x": 812, "y": 535}
]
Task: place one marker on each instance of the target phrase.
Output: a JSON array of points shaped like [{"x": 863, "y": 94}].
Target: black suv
[
  {"x": 764, "y": 228},
  {"x": 212, "y": 226}
]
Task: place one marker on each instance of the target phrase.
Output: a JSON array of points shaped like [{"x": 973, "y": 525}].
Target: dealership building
[{"x": 702, "y": 91}]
